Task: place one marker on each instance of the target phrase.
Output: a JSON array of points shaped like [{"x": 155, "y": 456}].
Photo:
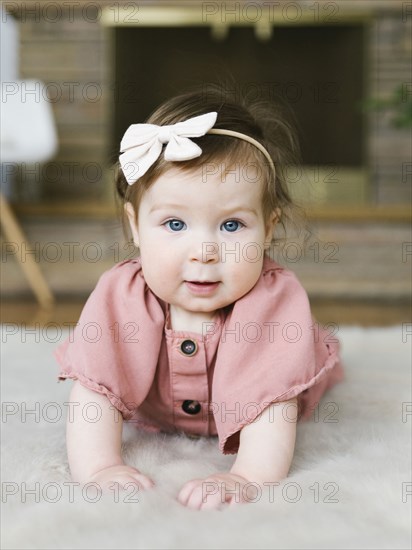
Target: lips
[{"x": 202, "y": 287}]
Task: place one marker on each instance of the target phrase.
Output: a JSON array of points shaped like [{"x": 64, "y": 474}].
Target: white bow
[{"x": 142, "y": 144}]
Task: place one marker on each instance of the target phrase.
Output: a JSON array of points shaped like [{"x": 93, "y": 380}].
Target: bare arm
[
  {"x": 267, "y": 445},
  {"x": 265, "y": 454},
  {"x": 94, "y": 448}
]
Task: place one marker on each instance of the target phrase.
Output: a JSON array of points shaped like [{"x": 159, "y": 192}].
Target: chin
[{"x": 204, "y": 309}]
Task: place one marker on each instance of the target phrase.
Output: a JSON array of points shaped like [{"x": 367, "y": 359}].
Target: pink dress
[{"x": 262, "y": 349}]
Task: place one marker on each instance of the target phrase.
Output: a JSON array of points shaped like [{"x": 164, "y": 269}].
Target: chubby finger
[
  {"x": 206, "y": 496},
  {"x": 186, "y": 491},
  {"x": 143, "y": 480},
  {"x": 213, "y": 501},
  {"x": 196, "y": 498},
  {"x": 121, "y": 482},
  {"x": 140, "y": 480},
  {"x": 238, "y": 499}
]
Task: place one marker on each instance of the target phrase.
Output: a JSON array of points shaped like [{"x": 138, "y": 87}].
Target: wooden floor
[{"x": 341, "y": 312}]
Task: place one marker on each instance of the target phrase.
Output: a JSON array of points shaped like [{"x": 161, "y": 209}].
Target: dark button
[
  {"x": 188, "y": 347},
  {"x": 191, "y": 407}
]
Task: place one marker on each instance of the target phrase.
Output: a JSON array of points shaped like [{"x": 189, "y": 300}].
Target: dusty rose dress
[{"x": 262, "y": 349}]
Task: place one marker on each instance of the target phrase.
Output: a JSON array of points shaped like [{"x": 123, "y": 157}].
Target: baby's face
[{"x": 194, "y": 228}]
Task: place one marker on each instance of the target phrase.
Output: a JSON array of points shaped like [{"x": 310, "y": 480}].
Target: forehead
[{"x": 212, "y": 182}]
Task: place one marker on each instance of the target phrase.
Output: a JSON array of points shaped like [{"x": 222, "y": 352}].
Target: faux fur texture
[{"x": 349, "y": 485}]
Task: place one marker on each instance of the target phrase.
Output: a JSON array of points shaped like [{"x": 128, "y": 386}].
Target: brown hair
[{"x": 260, "y": 120}]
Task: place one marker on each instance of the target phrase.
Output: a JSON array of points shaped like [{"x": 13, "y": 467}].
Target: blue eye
[
  {"x": 175, "y": 225},
  {"x": 232, "y": 225}
]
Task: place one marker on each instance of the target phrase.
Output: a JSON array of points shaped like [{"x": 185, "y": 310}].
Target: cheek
[
  {"x": 158, "y": 277},
  {"x": 157, "y": 254},
  {"x": 159, "y": 263},
  {"x": 244, "y": 272}
]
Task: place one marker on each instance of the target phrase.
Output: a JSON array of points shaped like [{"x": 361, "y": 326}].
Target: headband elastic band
[{"x": 245, "y": 137}]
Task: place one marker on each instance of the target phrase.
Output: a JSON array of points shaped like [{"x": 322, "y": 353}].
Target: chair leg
[{"x": 34, "y": 276}]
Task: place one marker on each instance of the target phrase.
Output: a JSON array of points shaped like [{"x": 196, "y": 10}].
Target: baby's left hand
[{"x": 213, "y": 492}]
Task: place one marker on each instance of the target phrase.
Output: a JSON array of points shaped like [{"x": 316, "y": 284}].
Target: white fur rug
[{"x": 349, "y": 486}]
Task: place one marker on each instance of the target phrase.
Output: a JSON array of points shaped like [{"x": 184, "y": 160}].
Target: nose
[{"x": 205, "y": 251}]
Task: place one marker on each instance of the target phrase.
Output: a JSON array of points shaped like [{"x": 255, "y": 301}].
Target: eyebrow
[{"x": 184, "y": 207}]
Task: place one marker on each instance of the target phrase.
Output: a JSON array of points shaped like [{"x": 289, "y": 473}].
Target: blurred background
[{"x": 75, "y": 75}]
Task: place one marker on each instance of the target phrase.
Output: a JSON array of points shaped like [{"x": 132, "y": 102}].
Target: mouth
[
  {"x": 202, "y": 287},
  {"x": 202, "y": 282}
]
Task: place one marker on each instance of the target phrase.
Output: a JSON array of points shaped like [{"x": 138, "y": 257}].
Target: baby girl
[{"x": 202, "y": 333}]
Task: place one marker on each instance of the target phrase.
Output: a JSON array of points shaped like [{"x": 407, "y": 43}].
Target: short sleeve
[
  {"x": 271, "y": 350},
  {"x": 115, "y": 345}
]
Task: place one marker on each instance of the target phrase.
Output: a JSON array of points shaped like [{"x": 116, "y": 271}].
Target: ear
[
  {"x": 270, "y": 227},
  {"x": 128, "y": 207}
]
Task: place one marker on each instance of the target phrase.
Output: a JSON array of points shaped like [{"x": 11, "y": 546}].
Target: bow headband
[{"x": 142, "y": 144}]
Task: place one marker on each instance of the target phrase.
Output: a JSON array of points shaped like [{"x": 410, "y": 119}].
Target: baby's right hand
[{"x": 121, "y": 474}]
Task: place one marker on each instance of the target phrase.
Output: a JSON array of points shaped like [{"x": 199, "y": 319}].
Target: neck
[{"x": 180, "y": 319}]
